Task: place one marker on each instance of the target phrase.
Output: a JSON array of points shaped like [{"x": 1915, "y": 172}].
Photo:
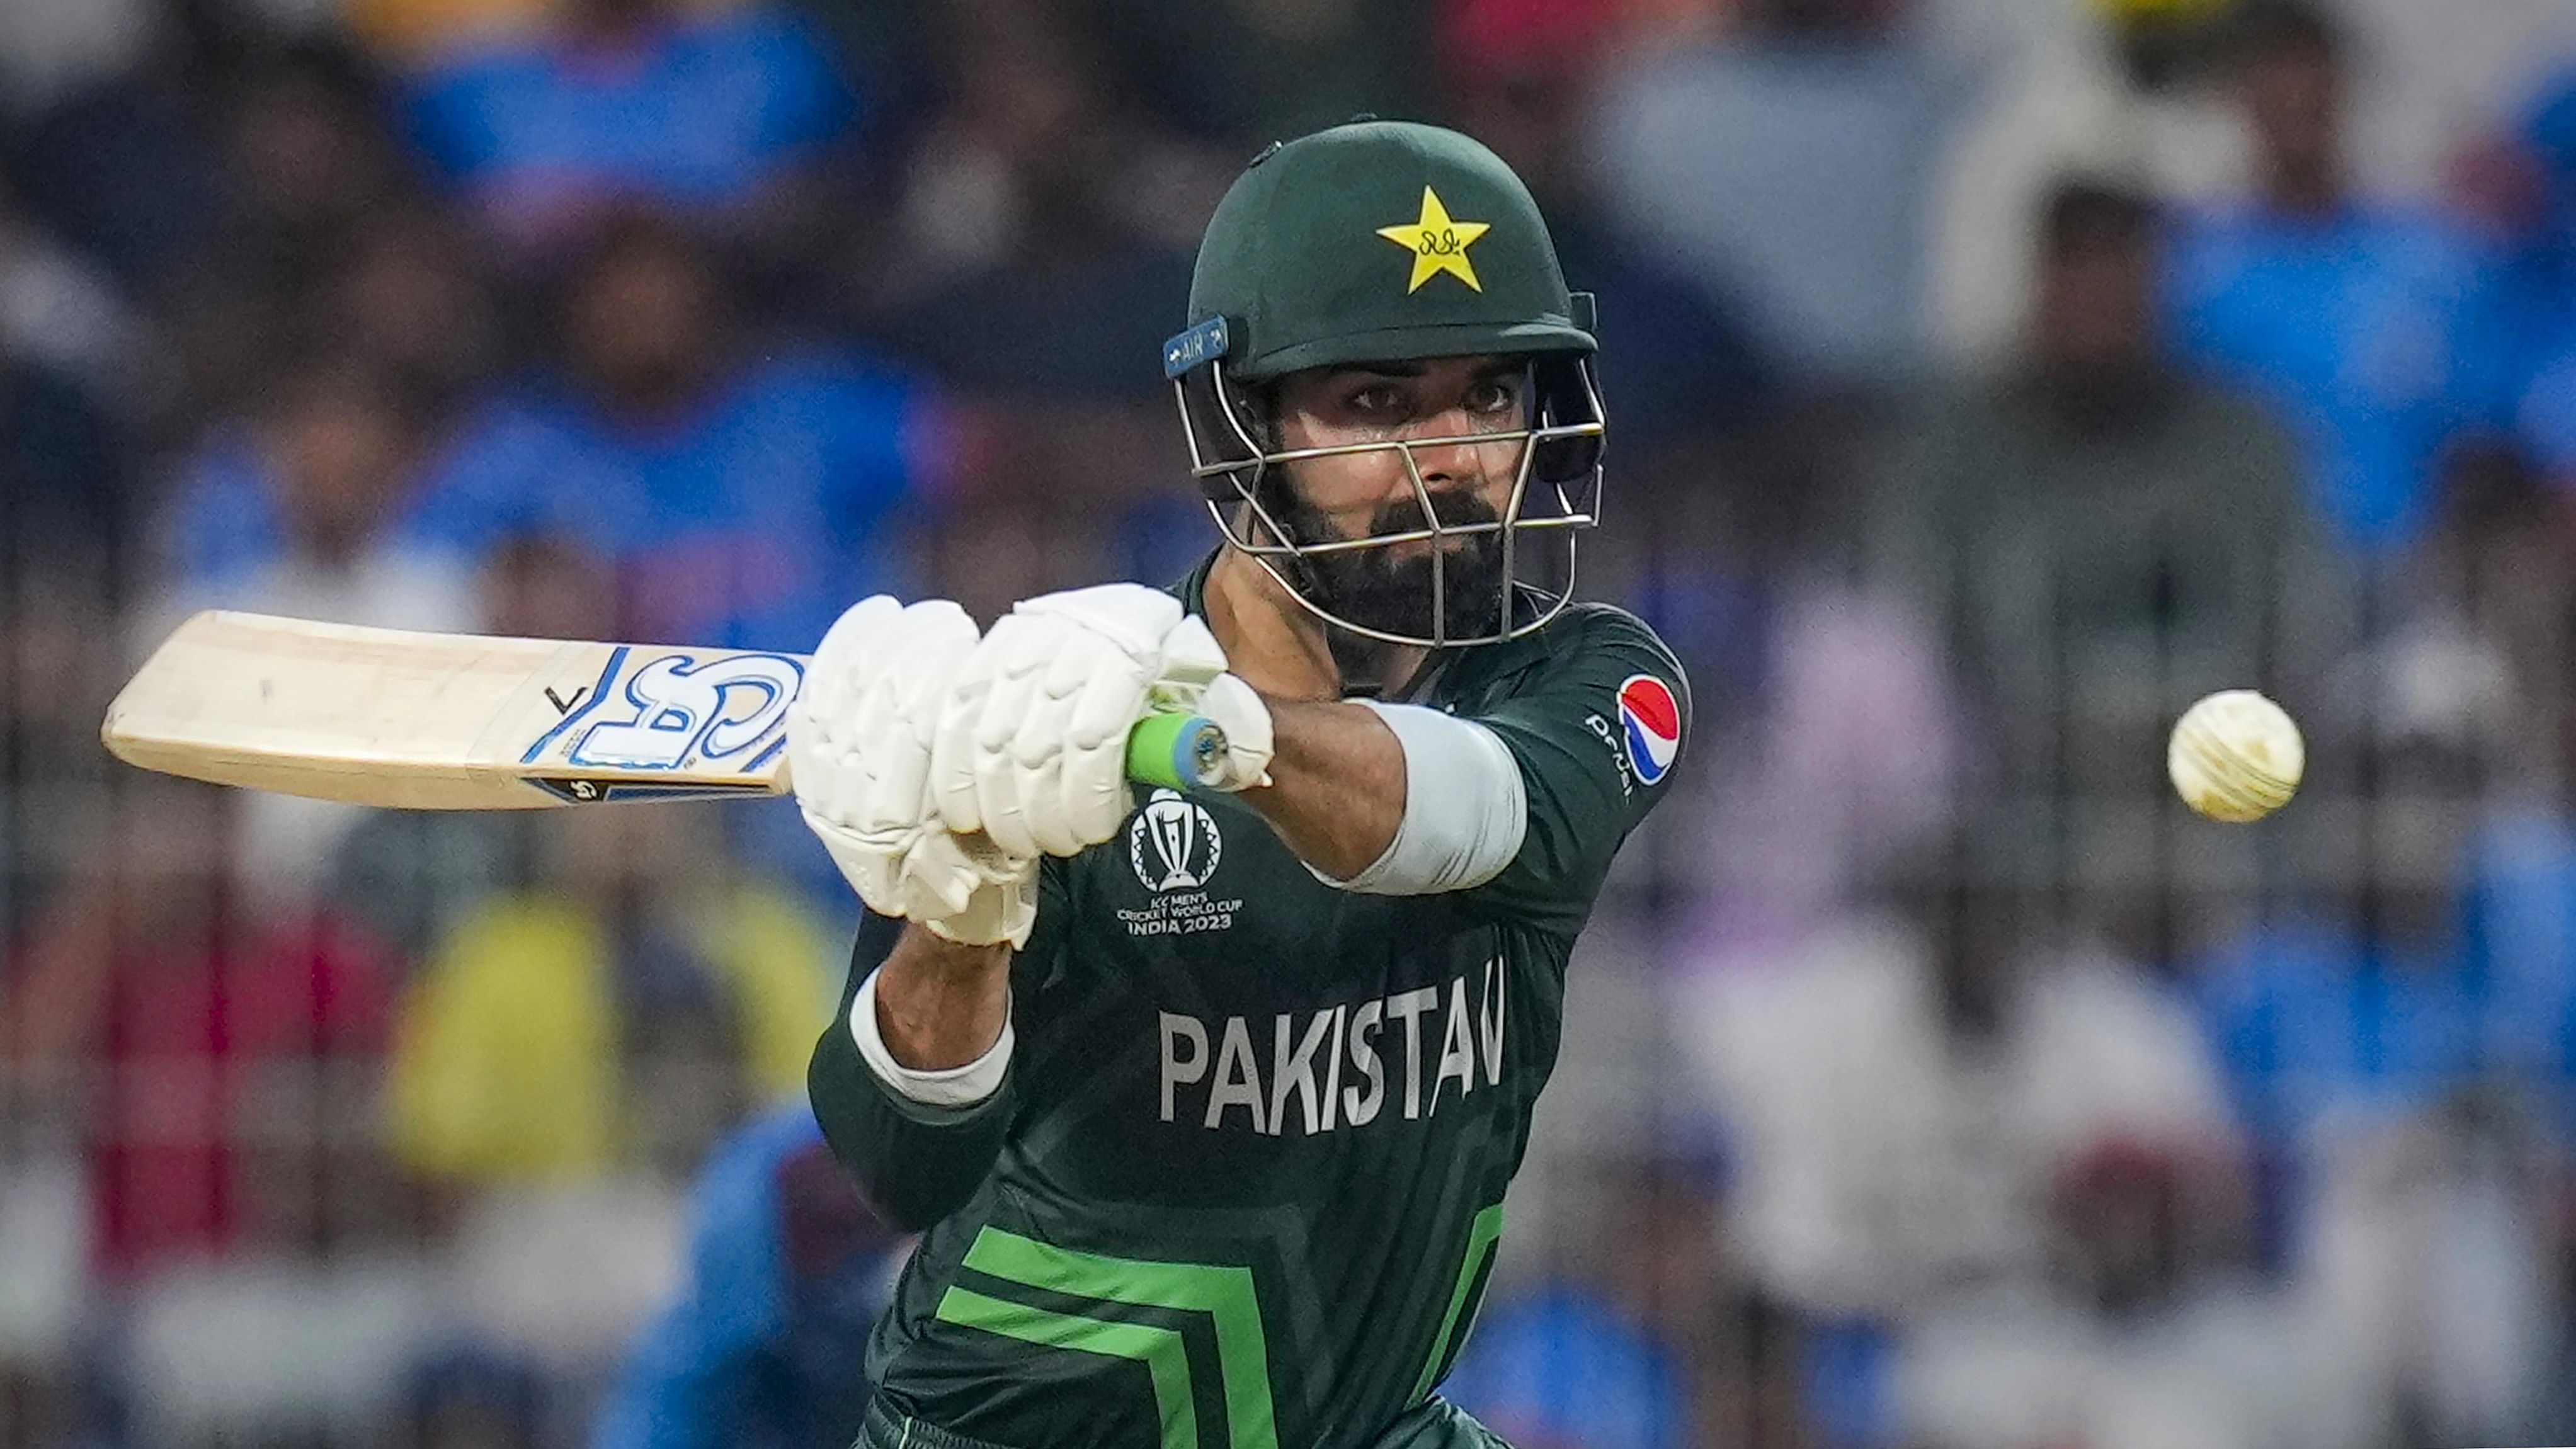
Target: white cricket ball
[{"x": 2235, "y": 756}]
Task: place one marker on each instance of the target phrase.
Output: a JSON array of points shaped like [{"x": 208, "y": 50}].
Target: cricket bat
[{"x": 416, "y": 721}]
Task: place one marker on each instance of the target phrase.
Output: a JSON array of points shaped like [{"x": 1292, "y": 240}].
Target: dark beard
[{"x": 1371, "y": 589}]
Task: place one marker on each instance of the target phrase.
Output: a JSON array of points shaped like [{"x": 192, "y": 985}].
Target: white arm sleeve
[
  {"x": 1465, "y": 807},
  {"x": 946, "y": 1087}
]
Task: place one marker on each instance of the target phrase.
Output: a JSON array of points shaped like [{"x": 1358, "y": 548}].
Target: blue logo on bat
[{"x": 679, "y": 711}]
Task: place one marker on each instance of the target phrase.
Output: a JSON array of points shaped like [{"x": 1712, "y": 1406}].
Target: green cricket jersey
[{"x": 1242, "y": 1185}]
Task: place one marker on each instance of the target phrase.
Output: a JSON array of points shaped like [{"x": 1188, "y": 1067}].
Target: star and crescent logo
[{"x": 1438, "y": 242}]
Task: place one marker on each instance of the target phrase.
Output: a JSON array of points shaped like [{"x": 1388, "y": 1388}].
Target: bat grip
[{"x": 1177, "y": 751}]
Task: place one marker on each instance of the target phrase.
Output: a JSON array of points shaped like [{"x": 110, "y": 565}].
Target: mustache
[{"x": 1450, "y": 509}]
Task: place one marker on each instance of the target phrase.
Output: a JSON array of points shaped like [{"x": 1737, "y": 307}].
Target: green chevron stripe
[
  {"x": 1223, "y": 1293},
  {"x": 1480, "y": 1245},
  {"x": 1160, "y": 1350}
]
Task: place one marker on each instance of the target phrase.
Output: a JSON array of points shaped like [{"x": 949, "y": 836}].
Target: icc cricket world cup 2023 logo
[{"x": 1173, "y": 843}]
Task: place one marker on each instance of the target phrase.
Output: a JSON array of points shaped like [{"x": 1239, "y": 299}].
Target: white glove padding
[
  {"x": 859, "y": 744},
  {"x": 1195, "y": 680},
  {"x": 1033, "y": 743},
  {"x": 1002, "y": 906}
]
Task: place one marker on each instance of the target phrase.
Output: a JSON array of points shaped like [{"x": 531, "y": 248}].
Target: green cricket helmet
[{"x": 1385, "y": 242}]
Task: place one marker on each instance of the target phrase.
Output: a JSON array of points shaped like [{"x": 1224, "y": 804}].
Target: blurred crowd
[{"x": 1988, "y": 379}]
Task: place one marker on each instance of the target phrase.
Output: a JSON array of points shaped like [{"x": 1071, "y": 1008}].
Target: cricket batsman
[{"x": 1207, "y": 1102}]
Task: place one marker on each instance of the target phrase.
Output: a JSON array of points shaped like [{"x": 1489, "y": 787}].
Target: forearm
[
  {"x": 1394, "y": 800},
  {"x": 1337, "y": 781},
  {"x": 939, "y": 1004},
  {"x": 917, "y": 1162}
]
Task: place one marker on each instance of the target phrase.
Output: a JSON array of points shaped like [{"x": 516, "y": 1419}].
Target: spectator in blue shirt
[
  {"x": 743, "y": 498},
  {"x": 293, "y": 509},
  {"x": 1610, "y": 1349},
  {"x": 2370, "y": 325},
  {"x": 787, "y": 1272},
  {"x": 1561, "y": 1368},
  {"x": 2521, "y": 936},
  {"x": 2520, "y": 918},
  {"x": 632, "y": 100},
  {"x": 2362, "y": 1014},
  {"x": 2539, "y": 172},
  {"x": 2519, "y": 185}
]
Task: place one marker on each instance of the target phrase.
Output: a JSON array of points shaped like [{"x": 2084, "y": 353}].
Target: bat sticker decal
[{"x": 686, "y": 713}]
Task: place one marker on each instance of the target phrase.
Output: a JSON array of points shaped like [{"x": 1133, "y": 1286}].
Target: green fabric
[
  {"x": 1269, "y": 1116},
  {"x": 1223, "y": 1293},
  {"x": 1432, "y": 1424},
  {"x": 1319, "y": 254},
  {"x": 1444, "y": 1347},
  {"x": 1160, "y": 1350}
]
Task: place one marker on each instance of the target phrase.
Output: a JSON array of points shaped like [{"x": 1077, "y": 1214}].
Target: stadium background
[{"x": 1988, "y": 378}]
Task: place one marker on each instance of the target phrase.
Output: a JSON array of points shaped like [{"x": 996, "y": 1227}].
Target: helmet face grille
[{"x": 1525, "y": 550}]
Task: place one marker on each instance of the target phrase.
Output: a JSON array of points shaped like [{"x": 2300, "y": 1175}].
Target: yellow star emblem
[{"x": 1438, "y": 244}]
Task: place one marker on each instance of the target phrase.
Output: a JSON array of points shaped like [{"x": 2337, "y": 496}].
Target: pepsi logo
[{"x": 1654, "y": 726}]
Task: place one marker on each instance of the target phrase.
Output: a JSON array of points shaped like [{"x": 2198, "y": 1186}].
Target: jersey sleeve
[
  {"x": 1597, "y": 727},
  {"x": 915, "y": 1162}
]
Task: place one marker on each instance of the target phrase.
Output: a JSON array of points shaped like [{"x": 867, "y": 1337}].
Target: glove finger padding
[
  {"x": 1033, "y": 745},
  {"x": 860, "y": 744},
  {"x": 1129, "y": 617},
  {"x": 997, "y": 692},
  {"x": 1005, "y": 910},
  {"x": 942, "y": 871},
  {"x": 1090, "y": 784},
  {"x": 1032, "y": 742},
  {"x": 905, "y": 708},
  {"x": 1191, "y": 656},
  {"x": 819, "y": 724}
]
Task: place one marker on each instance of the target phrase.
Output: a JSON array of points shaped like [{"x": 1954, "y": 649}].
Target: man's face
[
  {"x": 340, "y": 457},
  {"x": 2294, "y": 98},
  {"x": 618, "y": 14},
  {"x": 641, "y": 325},
  {"x": 1442, "y": 408},
  {"x": 2097, "y": 304}
]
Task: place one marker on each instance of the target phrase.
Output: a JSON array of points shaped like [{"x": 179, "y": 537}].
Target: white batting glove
[
  {"x": 859, "y": 744},
  {"x": 1033, "y": 743}
]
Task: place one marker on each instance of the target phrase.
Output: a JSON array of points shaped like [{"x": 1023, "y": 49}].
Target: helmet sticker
[
  {"x": 1438, "y": 243},
  {"x": 1653, "y": 723},
  {"x": 1195, "y": 347}
]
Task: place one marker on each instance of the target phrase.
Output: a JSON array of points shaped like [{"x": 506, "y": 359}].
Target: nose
[{"x": 1451, "y": 464}]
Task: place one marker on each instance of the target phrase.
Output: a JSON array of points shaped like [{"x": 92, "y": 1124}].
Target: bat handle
[{"x": 1177, "y": 751}]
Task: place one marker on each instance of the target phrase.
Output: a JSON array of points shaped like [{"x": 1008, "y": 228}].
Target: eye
[
  {"x": 1374, "y": 399},
  {"x": 1494, "y": 395}
]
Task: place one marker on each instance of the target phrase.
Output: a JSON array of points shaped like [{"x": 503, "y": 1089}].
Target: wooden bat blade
[{"x": 451, "y": 721}]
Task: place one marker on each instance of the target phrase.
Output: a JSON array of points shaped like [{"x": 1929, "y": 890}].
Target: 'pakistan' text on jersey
[{"x": 1242, "y": 1186}]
